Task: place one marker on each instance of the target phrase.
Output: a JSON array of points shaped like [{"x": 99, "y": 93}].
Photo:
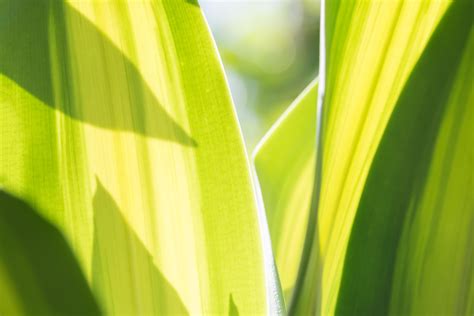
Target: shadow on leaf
[
  {"x": 124, "y": 274},
  {"x": 61, "y": 58},
  {"x": 41, "y": 272},
  {"x": 193, "y": 2},
  {"x": 233, "y": 310}
]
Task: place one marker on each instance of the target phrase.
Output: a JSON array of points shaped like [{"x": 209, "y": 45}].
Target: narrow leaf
[{"x": 284, "y": 162}]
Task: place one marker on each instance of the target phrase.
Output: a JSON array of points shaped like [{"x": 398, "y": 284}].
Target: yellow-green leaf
[
  {"x": 411, "y": 246},
  {"x": 121, "y": 108},
  {"x": 38, "y": 271},
  {"x": 371, "y": 49},
  {"x": 284, "y": 163},
  {"x": 399, "y": 253}
]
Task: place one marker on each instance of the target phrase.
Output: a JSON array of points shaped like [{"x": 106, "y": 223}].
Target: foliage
[
  {"x": 126, "y": 187},
  {"x": 394, "y": 219},
  {"x": 118, "y": 128}
]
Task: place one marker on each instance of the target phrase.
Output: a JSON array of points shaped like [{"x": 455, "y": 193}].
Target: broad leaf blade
[{"x": 132, "y": 94}]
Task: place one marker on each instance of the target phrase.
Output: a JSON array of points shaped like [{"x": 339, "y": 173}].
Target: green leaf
[
  {"x": 117, "y": 246},
  {"x": 411, "y": 246},
  {"x": 132, "y": 94},
  {"x": 284, "y": 163},
  {"x": 38, "y": 271},
  {"x": 371, "y": 49},
  {"x": 233, "y": 311},
  {"x": 398, "y": 253}
]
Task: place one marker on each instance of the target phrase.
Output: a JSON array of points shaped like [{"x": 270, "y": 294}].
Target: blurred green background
[{"x": 270, "y": 51}]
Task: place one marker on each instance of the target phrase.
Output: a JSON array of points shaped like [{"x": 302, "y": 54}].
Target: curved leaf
[
  {"x": 372, "y": 48},
  {"x": 410, "y": 249},
  {"x": 284, "y": 163},
  {"x": 132, "y": 93}
]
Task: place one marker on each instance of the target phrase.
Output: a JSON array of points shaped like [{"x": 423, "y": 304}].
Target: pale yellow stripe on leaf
[{"x": 382, "y": 42}]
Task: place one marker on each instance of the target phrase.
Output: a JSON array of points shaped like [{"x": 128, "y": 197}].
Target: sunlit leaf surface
[
  {"x": 395, "y": 215},
  {"x": 410, "y": 249},
  {"x": 117, "y": 124}
]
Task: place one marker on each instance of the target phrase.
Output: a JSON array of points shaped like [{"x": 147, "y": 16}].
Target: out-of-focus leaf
[
  {"x": 284, "y": 163},
  {"x": 38, "y": 271},
  {"x": 132, "y": 93}
]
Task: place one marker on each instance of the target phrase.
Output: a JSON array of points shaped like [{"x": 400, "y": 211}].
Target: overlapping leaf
[
  {"x": 284, "y": 163},
  {"x": 397, "y": 97}
]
